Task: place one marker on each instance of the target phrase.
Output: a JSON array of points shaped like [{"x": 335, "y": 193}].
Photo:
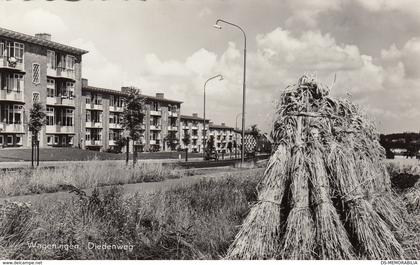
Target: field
[{"x": 192, "y": 220}]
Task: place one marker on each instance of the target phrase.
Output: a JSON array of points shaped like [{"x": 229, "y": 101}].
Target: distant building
[
  {"x": 223, "y": 137},
  {"x": 101, "y": 126},
  {"x": 194, "y": 127}
]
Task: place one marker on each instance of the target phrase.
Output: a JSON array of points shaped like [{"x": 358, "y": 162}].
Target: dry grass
[
  {"x": 86, "y": 175},
  {"x": 196, "y": 221}
]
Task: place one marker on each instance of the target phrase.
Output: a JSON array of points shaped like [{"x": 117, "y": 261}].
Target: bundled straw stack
[{"x": 326, "y": 192}]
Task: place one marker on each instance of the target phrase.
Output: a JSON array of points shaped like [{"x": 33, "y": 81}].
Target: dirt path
[{"x": 46, "y": 198}]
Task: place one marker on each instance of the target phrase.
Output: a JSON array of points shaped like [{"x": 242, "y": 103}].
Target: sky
[{"x": 372, "y": 48}]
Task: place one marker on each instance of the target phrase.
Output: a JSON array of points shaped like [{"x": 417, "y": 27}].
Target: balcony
[
  {"x": 156, "y": 113},
  {"x": 112, "y": 142},
  {"x": 92, "y": 106},
  {"x": 11, "y": 95},
  {"x": 194, "y": 137},
  {"x": 92, "y": 124},
  {"x": 185, "y": 127},
  {"x": 59, "y": 129},
  {"x": 115, "y": 126},
  {"x": 116, "y": 109},
  {"x": 194, "y": 127},
  {"x": 173, "y": 114},
  {"x": 60, "y": 101},
  {"x": 11, "y": 128},
  {"x": 155, "y": 127},
  {"x": 60, "y": 72},
  {"x": 93, "y": 143},
  {"x": 7, "y": 63},
  {"x": 172, "y": 128}
]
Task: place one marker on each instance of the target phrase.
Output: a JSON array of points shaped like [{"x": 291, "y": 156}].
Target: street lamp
[
  {"x": 236, "y": 135},
  {"x": 204, "y": 112},
  {"x": 217, "y": 26}
]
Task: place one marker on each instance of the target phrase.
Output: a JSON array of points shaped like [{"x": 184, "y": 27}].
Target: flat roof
[
  {"x": 120, "y": 93},
  {"x": 40, "y": 41},
  {"x": 187, "y": 117},
  {"x": 217, "y": 126}
]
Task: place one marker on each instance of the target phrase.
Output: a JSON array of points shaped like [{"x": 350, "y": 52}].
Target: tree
[
  {"x": 172, "y": 140},
  {"x": 210, "y": 143},
  {"x": 37, "y": 119},
  {"x": 255, "y": 131},
  {"x": 120, "y": 143},
  {"x": 132, "y": 117},
  {"x": 187, "y": 139},
  {"x": 229, "y": 147}
]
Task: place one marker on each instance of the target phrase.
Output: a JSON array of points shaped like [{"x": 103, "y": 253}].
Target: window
[
  {"x": 56, "y": 139},
  {"x": 70, "y": 62},
  {"x": 10, "y": 140},
  {"x": 36, "y": 74},
  {"x": 98, "y": 100},
  {"x": 88, "y": 116},
  {"x": 51, "y": 60},
  {"x": 18, "y": 140},
  {"x": 69, "y": 140},
  {"x": 50, "y": 115},
  {"x": 1, "y": 54},
  {"x": 155, "y": 106},
  {"x": 1, "y": 139},
  {"x": 68, "y": 117},
  {"x": 50, "y": 88},
  {"x": 17, "y": 110},
  {"x": 70, "y": 89},
  {"x": 14, "y": 82},
  {"x": 87, "y": 136},
  {"x": 19, "y": 50},
  {"x": 49, "y": 140},
  {"x": 62, "y": 62}
]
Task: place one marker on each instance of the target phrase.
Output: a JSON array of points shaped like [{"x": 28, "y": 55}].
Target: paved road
[
  {"x": 25, "y": 164},
  {"x": 75, "y": 154},
  {"x": 143, "y": 188}
]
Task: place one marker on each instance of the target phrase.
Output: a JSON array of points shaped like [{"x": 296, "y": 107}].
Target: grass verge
[
  {"x": 82, "y": 176},
  {"x": 196, "y": 221}
]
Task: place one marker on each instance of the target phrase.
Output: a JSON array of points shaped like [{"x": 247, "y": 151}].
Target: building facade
[
  {"x": 224, "y": 137},
  {"x": 34, "y": 68},
  {"x": 101, "y": 124},
  {"x": 193, "y": 126}
]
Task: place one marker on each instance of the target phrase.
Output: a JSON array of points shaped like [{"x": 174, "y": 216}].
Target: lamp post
[
  {"x": 244, "y": 82},
  {"x": 204, "y": 112},
  {"x": 236, "y": 135}
]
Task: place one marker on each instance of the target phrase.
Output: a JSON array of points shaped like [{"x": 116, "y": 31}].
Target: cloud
[
  {"x": 98, "y": 68},
  {"x": 34, "y": 21},
  {"x": 205, "y": 12},
  {"x": 201, "y": 62},
  {"x": 41, "y": 20},
  {"x": 311, "y": 50},
  {"x": 307, "y": 12},
  {"x": 408, "y": 58},
  {"x": 167, "y": 68}
]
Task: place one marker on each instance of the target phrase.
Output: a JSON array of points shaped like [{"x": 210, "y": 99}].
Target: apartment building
[
  {"x": 36, "y": 68},
  {"x": 194, "y": 127},
  {"x": 224, "y": 137},
  {"x": 101, "y": 124}
]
